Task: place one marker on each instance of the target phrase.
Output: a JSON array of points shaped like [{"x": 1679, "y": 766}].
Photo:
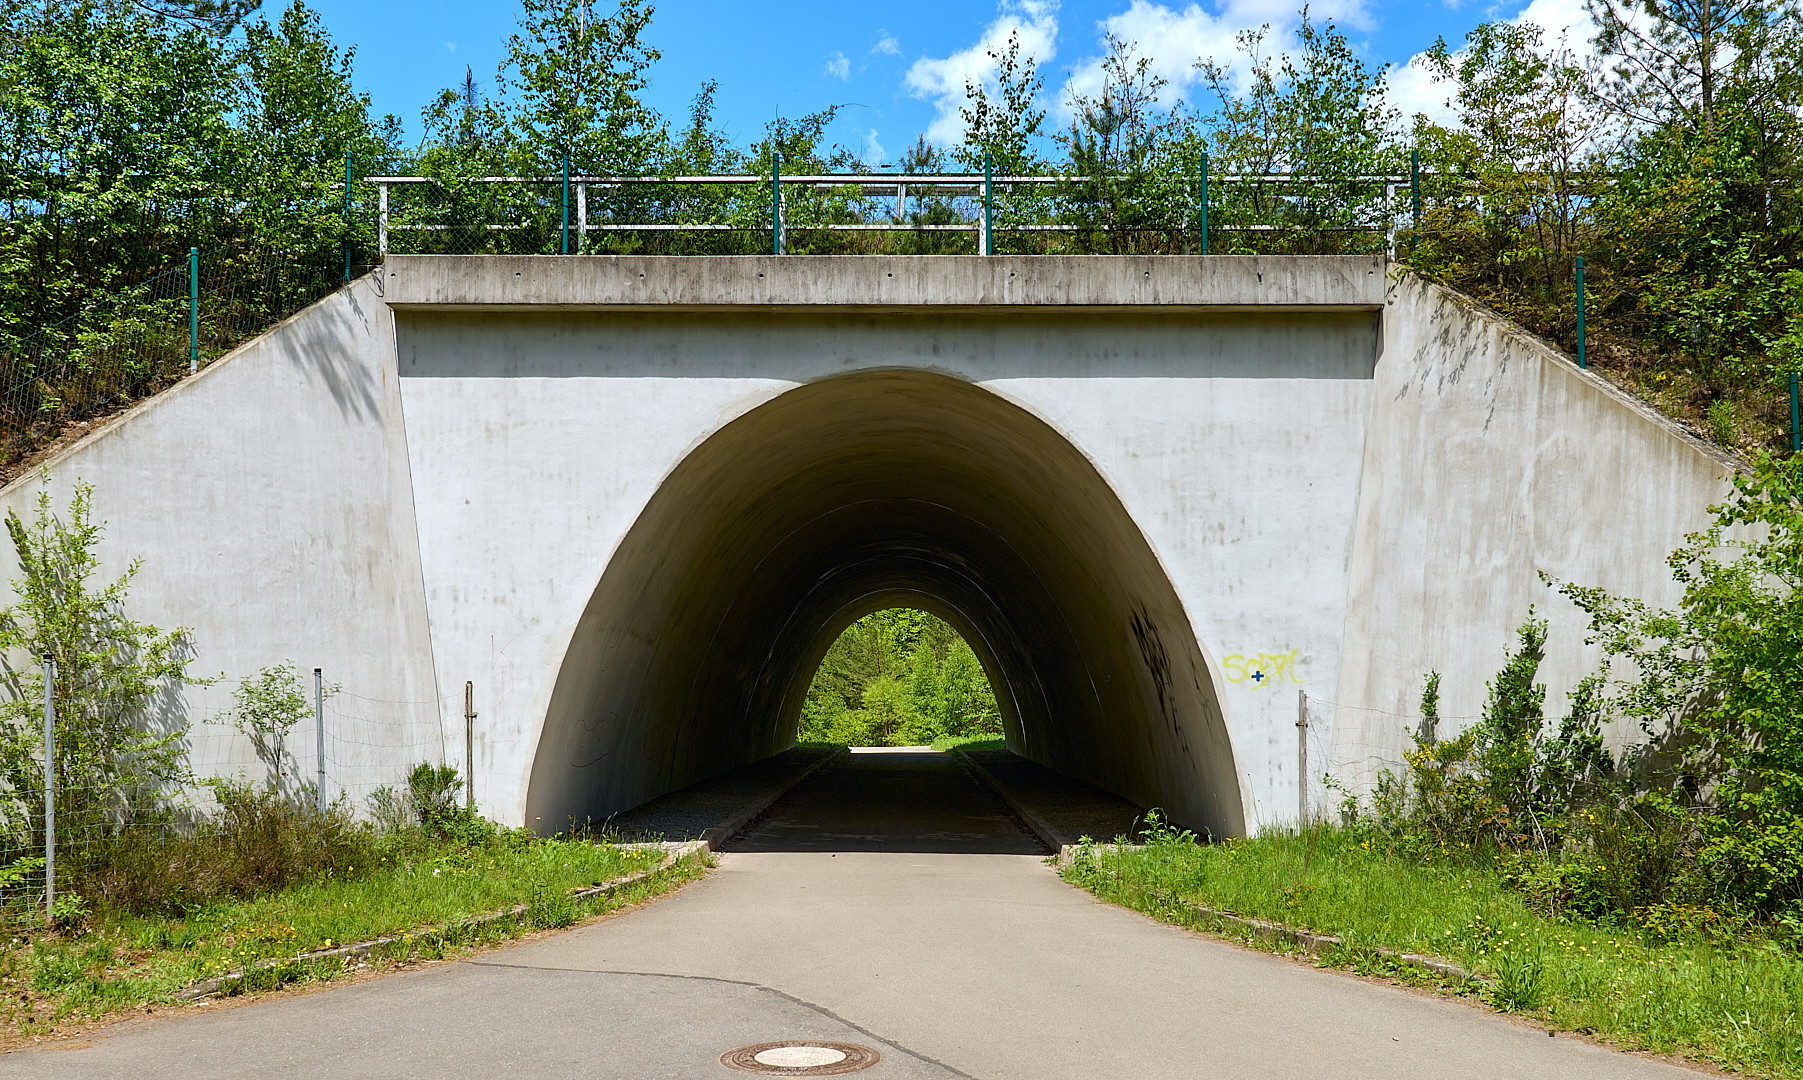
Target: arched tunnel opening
[{"x": 862, "y": 492}]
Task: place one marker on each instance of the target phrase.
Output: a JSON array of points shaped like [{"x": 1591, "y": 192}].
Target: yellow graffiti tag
[{"x": 1262, "y": 669}]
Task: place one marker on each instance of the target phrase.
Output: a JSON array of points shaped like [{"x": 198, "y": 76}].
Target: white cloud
[
  {"x": 1413, "y": 90},
  {"x": 1557, "y": 17},
  {"x": 838, "y": 66},
  {"x": 1174, "y": 38},
  {"x": 942, "y": 81},
  {"x": 873, "y": 148},
  {"x": 886, "y": 44}
]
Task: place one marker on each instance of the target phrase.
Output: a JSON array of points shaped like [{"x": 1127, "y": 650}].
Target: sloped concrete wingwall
[
  {"x": 1491, "y": 459},
  {"x": 270, "y": 502}
]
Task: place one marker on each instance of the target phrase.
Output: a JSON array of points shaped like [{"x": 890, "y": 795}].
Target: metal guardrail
[{"x": 979, "y": 217}]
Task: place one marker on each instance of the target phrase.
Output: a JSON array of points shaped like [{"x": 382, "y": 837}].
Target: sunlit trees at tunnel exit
[{"x": 899, "y": 677}]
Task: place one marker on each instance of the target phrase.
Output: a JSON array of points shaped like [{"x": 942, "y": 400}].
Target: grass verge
[
  {"x": 1735, "y": 1000},
  {"x": 945, "y": 744},
  {"x": 121, "y": 961}
]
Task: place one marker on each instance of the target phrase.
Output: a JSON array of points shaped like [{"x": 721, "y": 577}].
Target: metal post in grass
[
  {"x": 319, "y": 732},
  {"x": 1301, "y": 759},
  {"x": 347, "y": 216},
  {"x": 988, "y": 205},
  {"x": 1202, "y": 205},
  {"x": 469, "y": 745},
  {"x": 49, "y": 788},
  {"x": 193, "y": 310},
  {"x": 566, "y": 202},
  {"x": 776, "y": 203},
  {"x": 1580, "y": 301},
  {"x": 1796, "y": 419}
]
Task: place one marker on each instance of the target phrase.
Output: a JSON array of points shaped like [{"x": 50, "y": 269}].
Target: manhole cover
[{"x": 800, "y": 1057}]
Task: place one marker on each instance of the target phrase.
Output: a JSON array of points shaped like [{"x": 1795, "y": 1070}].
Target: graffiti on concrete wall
[{"x": 1260, "y": 670}]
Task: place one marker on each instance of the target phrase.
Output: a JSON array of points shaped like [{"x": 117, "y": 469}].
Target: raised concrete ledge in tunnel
[
  {"x": 860, "y": 492},
  {"x": 1351, "y": 282}
]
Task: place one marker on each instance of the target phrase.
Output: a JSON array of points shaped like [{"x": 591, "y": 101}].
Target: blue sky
[{"x": 899, "y": 68}]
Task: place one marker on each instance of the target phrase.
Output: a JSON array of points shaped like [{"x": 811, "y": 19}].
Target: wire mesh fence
[
  {"x": 1344, "y": 750},
  {"x": 91, "y": 812},
  {"x": 135, "y": 342}
]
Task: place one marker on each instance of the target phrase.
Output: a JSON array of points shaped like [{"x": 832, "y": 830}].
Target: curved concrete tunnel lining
[{"x": 713, "y": 613}]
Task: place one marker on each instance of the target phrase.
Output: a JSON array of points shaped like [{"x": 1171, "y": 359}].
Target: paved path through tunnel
[{"x": 890, "y": 901}]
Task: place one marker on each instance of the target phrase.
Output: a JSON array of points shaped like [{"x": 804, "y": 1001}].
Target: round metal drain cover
[{"x": 801, "y": 1057}]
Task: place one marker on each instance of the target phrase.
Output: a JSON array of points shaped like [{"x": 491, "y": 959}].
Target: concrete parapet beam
[{"x": 490, "y": 282}]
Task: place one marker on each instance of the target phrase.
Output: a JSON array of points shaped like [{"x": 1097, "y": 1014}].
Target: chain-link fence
[
  {"x": 83, "y": 813},
  {"x": 131, "y": 344},
  {"x": 1344, "y": 750}
]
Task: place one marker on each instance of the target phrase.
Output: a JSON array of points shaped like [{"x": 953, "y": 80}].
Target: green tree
[
  {"x": 574, "y": 82},
  {"x": 1319, "y": 110},
  {"x": 298, "y": 115},
  {"x": 120, "y": 726},
  {"x": 1715, "y": 683},
  {"x": 899, "y": 677}
]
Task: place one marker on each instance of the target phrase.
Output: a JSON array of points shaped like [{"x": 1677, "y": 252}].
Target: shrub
[{"x": 258, "y": 841}]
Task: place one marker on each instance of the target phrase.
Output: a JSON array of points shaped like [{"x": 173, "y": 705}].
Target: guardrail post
[
  {"x": 988, "y": 205},
  {"x": 566, "y": 202},
  {"x": 319, "y": 733},
  {"x": 1796, "y": 419},
  {"x": 581, "y": 216},
  {"x": 776, "y": 203},
  {"x": 1202, "y": 204},
  {"x": 193, "y": 310},
  {"x": 1580, "y": 298},
  {"x": 347, "y": 216},
  {"x": 382, "y": 221},
  {"x": 49, "y": 788}
]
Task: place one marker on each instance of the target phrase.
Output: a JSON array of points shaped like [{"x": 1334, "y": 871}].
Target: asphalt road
[{"x": 888, "y": 901}]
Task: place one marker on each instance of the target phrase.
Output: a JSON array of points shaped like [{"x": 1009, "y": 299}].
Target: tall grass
[{"x": 1729, "y": 997}]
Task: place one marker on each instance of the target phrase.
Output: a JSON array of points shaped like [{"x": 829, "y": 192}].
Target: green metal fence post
[
  {"x": 1202, "y": 205},
  {"x": 1415, "y": 185},
  {"x": 193, "y": 310},
  {"x": 1414, "y": 195},
  {"x": 776, "y": 203},
  {"x": 988, "y": 205},
  {"x": 566, "y": 202},
  {"x": 1580, "y": 270},
  {"x": 347, "y": 216},
  {"x": 1796, "y": 419}
]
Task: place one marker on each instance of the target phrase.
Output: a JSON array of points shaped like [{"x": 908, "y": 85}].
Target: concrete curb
[
  {"x": 1047, "y": 833},
  {"x": 686, "y": 851},
  {"x": 1307, "y": 941},
  {"x": 715, "y": 837}
]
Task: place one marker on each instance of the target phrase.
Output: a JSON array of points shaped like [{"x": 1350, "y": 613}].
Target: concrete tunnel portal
[{"x": 864, "y": 491}]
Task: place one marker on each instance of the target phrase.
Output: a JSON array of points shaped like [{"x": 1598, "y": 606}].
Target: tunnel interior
[{"x": 861, "y": 492}]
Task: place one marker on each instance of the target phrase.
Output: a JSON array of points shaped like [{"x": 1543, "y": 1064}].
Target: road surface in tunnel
[
  {"x": 893, "y": 800},
  {"x": 888, "y": 902}
]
